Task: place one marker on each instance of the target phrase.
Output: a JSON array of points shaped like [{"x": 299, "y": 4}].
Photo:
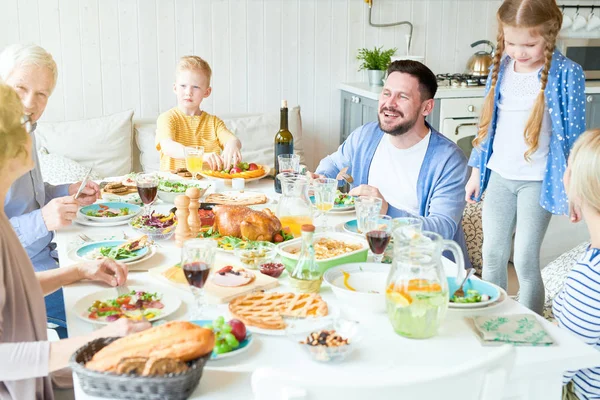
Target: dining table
[{"x": 537, "y": 372}]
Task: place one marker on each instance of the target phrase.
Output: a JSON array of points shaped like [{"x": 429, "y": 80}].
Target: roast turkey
[{"x": 246, "y": 223}]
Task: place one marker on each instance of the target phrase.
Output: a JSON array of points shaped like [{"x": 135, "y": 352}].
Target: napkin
[{"x": 517, "y": 329}]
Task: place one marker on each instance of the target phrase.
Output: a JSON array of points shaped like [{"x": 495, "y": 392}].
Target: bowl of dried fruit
[{"x": 325, "y": 341}]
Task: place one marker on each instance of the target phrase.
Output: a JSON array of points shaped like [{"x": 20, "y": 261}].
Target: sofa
[{"x": 118, "y": 144}]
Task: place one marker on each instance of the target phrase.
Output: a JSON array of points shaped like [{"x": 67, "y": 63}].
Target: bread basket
[{"x": 106, "y": 384}]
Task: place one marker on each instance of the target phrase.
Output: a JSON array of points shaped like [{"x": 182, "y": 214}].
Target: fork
[
  {"x": 460, "y": 292},
  {"x": 85, "y": 237}
]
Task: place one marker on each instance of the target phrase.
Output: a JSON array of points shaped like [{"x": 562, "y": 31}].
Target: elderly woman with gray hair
[
  {"x": 35, "y": 208},
  {"x": 26, "y": 356}
]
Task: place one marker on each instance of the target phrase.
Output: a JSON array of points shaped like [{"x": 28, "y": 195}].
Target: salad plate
[
  {"x": 110, "y": 249},
  {"x": 109, "y": 212},
  {"x": 106, "y": 306},
  {"x": 352, "y": 226},
  {"x": 474, "y": 290},
  {"x": 243, "y": 347}
]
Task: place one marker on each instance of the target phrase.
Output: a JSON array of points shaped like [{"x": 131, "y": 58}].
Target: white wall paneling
[{"x": 121, "y": 54}]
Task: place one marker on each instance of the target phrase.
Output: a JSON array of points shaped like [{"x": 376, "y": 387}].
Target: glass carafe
[
  {"x": 417, "y": 288},
  {"x": 294, "y": 208}
]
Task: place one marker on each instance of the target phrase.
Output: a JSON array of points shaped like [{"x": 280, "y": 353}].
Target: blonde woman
[
  {"x": 35, "y": 208},
  {"x": 533, "y": 112},
  {"x": 26, "y": 356}
]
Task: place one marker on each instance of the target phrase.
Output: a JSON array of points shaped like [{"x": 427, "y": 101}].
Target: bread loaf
[{"x": 177, "y": 339}]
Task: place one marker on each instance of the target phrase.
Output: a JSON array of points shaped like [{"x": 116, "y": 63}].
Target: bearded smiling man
[{"x": 401, "y": 159}]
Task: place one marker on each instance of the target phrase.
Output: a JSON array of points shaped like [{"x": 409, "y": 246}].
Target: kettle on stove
[{"x": 480, "y": 62}]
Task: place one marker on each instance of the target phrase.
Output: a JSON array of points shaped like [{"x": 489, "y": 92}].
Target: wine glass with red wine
[
  {"x": 197, "y": 258},
  {"x": 379, "y": 233},
  {"x": 147, "y": 187}
]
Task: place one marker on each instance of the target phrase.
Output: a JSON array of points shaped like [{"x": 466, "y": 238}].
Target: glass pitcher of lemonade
[
  {"x": 417, "y": 288},
  {"x": 294, "y": 208}
]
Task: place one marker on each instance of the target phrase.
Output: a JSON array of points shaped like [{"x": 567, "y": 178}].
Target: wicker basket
[{"x": 106, "y": 384}]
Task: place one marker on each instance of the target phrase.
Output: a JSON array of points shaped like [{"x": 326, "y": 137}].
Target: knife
[{"x": 83, "y": 183}]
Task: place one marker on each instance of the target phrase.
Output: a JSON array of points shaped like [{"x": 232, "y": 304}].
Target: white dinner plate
[{"x": 170, "y": 301}]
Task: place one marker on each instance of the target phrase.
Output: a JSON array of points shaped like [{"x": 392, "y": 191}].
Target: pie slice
[{"x": 266, "y": 310}]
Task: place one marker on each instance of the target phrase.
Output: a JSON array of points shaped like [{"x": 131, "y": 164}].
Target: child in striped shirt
[
  {"x": 187, "y": 125},
  {"x": 577, "y": 306}
]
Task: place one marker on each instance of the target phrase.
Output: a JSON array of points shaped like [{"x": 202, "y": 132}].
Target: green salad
[
  {"x": 117, "y": 253},
  {"x": 174, "y": 186},
  {"x": 343, "y": 199},
  {"x": 471, "y": 296}
]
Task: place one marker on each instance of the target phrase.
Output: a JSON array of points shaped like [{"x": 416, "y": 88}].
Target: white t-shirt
[
  {"x": 518, "y": 92},
  {"x": 395, "y": 172}
]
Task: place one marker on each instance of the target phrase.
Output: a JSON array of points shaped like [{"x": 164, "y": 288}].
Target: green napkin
[{"x": 518, "y": 330}]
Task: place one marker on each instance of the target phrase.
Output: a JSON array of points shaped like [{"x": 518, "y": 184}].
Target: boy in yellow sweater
[{"x": 187, "y": 125}]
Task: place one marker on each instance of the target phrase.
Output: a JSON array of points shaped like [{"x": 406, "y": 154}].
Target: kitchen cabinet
[
  {"x": 592, "y": 111},
  {"x": 356, "y": 111}
]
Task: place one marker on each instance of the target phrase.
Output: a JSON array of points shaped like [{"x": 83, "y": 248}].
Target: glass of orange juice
[
  {"x": 193, "y": 159},
  {"x": 325, "y": 191}
]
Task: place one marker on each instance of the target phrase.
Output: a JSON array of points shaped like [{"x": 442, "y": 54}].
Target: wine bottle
[{"x": 284, "y": 141}]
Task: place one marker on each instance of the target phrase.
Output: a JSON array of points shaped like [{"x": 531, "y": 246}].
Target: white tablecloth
[{"x": 537, "y": 373}]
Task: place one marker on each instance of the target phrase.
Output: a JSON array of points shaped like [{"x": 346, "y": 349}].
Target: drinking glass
[
  {"x": 194, "y": 159},
  {"x": 325, "y": 191},
  {"x": 379, "y": 233},
  {"x": 147, "y": 187},
  {"x": 289, "y": 163},
  {"x": 405, "y": 228},
  {"x": 197, "y": 258},
  {"x": 367, "y": 208}
]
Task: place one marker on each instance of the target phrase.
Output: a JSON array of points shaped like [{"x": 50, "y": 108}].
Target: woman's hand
[
  {"x": 232, "y": 154},
  {"x": 106, "y": 270},
  {"x": 122, "y": 327},
  {"x": 473, "y": 187}
]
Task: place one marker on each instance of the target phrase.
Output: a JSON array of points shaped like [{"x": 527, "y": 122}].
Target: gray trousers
[{"x": 509, "y": 203}]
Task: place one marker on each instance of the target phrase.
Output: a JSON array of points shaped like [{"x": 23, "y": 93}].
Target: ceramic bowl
[{"x": 368, "y": 281}]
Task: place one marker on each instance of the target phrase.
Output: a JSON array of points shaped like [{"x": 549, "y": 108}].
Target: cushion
[
  {"x": 104, "y": 143},
  {"x": 58, "y": 170},
  {"x": 255, "y": 131},
  {"x": 555, "y": 274},
  {"x": 474, "y": 234}
]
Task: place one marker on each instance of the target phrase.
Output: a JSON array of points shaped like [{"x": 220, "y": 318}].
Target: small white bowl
[
  {"x": 347, "y": 329},
  {"x": 369, "y": 281}
]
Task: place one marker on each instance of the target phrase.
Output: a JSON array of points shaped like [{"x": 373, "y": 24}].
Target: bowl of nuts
[
  {"x": 328, "y": 341},
  {"x": 254, "y": 254}
]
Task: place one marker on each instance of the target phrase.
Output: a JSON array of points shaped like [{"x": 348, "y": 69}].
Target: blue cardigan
[
  {"x": 565, "y": 101},
  {"x": 440, "y": 185}
]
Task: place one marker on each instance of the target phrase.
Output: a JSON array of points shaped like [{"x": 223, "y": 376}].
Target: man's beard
[{"x": 399, "y": 129}]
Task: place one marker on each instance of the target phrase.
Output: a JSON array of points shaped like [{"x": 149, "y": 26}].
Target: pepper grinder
[
  {"x": 194, "y": 219},
  {"x": 182, "y": 231}
]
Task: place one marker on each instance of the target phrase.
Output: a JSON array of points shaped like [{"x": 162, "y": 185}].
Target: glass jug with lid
[
  {"x": 416, "y": 287},
  {"x": 294, "y": 208}
]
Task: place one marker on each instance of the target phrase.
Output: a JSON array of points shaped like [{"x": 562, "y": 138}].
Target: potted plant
[{"x": 375, "y": 62}]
